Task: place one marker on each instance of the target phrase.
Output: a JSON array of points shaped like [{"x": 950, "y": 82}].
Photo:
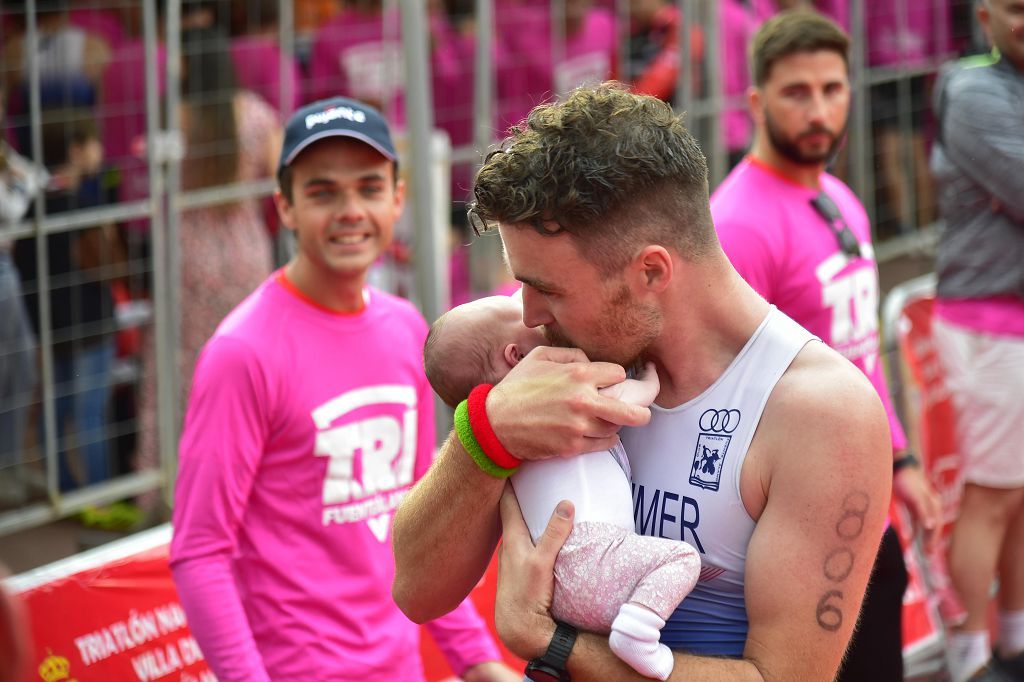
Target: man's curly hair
[{"x": 615, "y": 169}]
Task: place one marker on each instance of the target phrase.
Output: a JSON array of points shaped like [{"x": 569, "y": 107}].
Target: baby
[{"x": 608, "y": 579}]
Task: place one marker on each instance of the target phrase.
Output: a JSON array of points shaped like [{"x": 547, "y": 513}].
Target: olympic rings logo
[{"x": 720, "y": 421}]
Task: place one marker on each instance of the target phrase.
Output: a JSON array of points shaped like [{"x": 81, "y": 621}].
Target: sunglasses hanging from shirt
[{"x": 845, "y": 237}]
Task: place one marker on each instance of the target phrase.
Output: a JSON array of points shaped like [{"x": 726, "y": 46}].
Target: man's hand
[
  {"x": 526, "y": 578},
  {"x": 548, "y": 405},
  {"x": 914, "y": 490},
  {"x": 491, "y": 671}
]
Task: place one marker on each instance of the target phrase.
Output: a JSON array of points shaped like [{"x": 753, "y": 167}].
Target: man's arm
[
  {"x": 823, "y": 469},
  {"x": 447, "y": 527},
  {"x": 983, "y": 136},
  {"x": 221, "y": 447},
  {"x": 469, "y": 647}
]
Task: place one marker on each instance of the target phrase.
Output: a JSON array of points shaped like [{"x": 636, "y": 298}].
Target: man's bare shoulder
[
  {"x": 823, "y": 418},
  {"x": 823, "y": 405},
  {"x": 821, "y": 383}
]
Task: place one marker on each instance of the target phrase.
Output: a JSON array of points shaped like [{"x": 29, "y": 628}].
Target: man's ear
[
  {"x": 755, "y": 100},
  {"x": 284, "y": 209},
  {"x": 654, "y": 268},
  {"x": 399, "y": 204},
  {"x": 512, "y": 355}
]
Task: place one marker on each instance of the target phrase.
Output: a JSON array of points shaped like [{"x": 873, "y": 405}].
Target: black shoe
[
  {"x": 1012, "y": 667},
  {"x": 990, "y": 672}
]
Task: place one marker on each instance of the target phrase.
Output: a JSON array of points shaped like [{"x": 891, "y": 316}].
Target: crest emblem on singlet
[{"x": 716, "y": 427}]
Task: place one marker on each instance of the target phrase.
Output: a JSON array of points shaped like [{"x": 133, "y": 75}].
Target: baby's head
[{"x": 477, "y": 343}]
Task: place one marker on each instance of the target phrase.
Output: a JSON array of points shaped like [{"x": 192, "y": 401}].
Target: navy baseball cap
[{"x": 335, "y": 117}]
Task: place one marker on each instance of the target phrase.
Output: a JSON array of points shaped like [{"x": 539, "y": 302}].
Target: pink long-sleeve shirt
[
  {"x": 305, "y": 428},
  {"x": 785, "y": 250}
]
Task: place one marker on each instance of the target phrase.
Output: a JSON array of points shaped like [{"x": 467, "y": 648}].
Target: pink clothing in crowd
[
  {"x": 837, "y": 10},
  {"x": 121, "y": 114},
  {"x": 786, "y": 251},
  {"x": 738, "y": 27},
  {"x": 257, "y": 60},
  {"x": 907, "y": 32},
  {"x": 305, "y": 429},
  {"x": 359, "y": 55},
  {"x": 996, "y": 315},
  {"x": 533, "y": 73},
  {"x": 100, "y": 22}
]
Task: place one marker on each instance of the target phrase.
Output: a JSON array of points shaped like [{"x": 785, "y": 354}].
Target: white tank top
[{"x": 686, "y": 467}]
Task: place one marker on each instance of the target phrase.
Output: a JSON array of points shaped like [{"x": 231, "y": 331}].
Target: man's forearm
[{"x": 444, "y": 534}]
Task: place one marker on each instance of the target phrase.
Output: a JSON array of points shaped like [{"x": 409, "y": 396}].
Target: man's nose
[
  {"x": 535, "y": 312},
  {"x": 817, "y": 107},
  {"x": 350, "y": 208}
]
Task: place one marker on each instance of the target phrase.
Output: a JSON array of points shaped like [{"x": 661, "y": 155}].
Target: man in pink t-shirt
[
  {"x": 309, "y": 420},
  {"x": 802, "y": 239}
]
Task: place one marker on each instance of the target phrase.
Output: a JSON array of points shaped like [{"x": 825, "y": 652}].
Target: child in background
[{"x": 479, "y": 342}]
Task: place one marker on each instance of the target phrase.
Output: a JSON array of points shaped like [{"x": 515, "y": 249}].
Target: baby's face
[
  {"x": 507, "y": 316},
  {"x": 526, "y": 339}
]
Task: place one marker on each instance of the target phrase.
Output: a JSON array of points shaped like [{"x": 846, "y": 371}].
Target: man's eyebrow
[
  {"x": 318, "y": 181},
  {"x": 536, "y": 283}
]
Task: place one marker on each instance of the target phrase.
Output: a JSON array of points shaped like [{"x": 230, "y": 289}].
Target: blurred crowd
[{"x": 89, "y": 149}]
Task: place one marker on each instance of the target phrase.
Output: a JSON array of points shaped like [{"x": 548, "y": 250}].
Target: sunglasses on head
[{"x": 845, "y": 237}]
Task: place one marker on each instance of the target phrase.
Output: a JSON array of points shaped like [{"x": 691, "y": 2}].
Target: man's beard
[
  {"x": 790, "y": 147},
  {"x": 622, "y": 335}
]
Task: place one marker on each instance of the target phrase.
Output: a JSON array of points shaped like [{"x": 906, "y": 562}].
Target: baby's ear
[{"x": 512, "y": 355}]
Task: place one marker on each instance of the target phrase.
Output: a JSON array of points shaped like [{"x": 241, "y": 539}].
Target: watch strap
[
  {"x": 557, "y": 655},
  {"x": 908, "y": 460}
]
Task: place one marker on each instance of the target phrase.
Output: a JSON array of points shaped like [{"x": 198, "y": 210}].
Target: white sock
[
  {"x": 968, "y": 651},
  {"x": 636, "y": 639},
  {"x": 1011, "y": 633}
]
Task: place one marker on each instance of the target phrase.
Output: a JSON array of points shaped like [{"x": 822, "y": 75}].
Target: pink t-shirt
[
  {"x": 121, "y": 113},
  {"x": 533, "y": 73},
  {"x": 907, "y": 33},
  {"x": 257, "y": 60},
  {"x": 738, "y": 27},
  {"x": 784, "y": 249},
  {"x": 837, "y": 10},
  {"x": 305, "y": 428},
  {"x": 359, "y": 55},
  {"x": 100, "y": 22}
]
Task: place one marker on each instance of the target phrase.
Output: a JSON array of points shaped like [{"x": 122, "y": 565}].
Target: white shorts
[{"x": 985, "y": 376}]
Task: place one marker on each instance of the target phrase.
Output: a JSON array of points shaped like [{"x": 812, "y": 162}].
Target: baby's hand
[{"x": 640, "y": 391}]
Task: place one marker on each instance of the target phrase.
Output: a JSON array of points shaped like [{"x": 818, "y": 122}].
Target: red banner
[
  {"x": 117, "y": 618},
  {"x": 937, "y": 444},
  {"x": 113, "y": 614}
]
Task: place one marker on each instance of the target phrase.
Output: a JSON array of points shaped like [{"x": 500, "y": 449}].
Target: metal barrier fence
[{"x": 151, "y": 63}]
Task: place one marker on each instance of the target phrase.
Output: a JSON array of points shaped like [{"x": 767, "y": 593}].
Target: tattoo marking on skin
[
  {"x": 839, "y": 564},
  {"x": 851, "y": 522},
  {"x": 829, "y": 616}
]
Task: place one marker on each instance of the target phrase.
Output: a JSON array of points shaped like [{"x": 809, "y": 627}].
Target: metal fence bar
[
  {"x": 718, "y": 159},
  {"x": 50, "y": 445},
  {"x": 70, "y": 503},
  {"x": 170, "y": 410},
  {"x": 79, "y": 218},
  {"x": 158, "y": 222},
  {"x": 859, "y": 140}
]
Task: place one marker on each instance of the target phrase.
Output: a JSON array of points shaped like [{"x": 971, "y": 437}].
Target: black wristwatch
[
  {"x": 551, "y": 666},
  {"x": 907, "y": 460}
]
